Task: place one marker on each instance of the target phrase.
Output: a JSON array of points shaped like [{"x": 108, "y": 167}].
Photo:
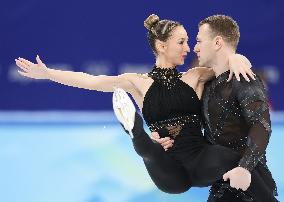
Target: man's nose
[{"x": 195, "y": 49}]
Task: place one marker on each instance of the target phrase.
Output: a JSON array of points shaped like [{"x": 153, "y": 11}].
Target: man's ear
[
  {"x": 219, "y": 42},
  {"x": 161, "y": 46}
]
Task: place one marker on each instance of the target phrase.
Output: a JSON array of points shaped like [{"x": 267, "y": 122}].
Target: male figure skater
[{"x": 235, "y": 113}]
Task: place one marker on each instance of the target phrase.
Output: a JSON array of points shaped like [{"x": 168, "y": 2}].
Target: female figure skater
[{"x": 168, "y": 39}]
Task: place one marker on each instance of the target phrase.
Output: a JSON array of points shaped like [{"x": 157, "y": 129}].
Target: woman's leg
[
  {"x": 216, "y": 160},
  {"x": 211, "y": 164},
  {"x": 167, "y": 174}
]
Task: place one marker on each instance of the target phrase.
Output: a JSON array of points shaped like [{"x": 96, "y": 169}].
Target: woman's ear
[{"x": 160, "y": 46}]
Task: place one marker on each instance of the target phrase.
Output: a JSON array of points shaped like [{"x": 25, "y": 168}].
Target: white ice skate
[{"x": 124, "y": 109}]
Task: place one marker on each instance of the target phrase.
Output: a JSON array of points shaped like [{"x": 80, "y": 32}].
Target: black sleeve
[{"x": 253, "y": 103}]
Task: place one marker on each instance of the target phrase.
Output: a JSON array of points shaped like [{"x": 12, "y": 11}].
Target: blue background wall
[{"x": 108, "y": 37}]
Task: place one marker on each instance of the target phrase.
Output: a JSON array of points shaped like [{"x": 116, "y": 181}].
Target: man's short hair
[{"x": 224, "y": 26}]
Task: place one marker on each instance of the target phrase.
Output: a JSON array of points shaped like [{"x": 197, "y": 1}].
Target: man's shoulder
[
  {"x": 243, "y": 84},
  {"x": 245, "y": 90},
  {"x": 208, "y": 83}
]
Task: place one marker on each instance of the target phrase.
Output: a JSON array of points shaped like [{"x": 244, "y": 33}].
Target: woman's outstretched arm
[{"x": 75, "y": 79}]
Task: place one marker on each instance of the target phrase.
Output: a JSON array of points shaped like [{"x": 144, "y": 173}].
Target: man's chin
[
  {"x": 202, "y": 64},
  {"x": 181, "y": 63}
]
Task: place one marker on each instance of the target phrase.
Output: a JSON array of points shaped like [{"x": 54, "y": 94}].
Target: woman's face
[{"x": 176, "y": 47}]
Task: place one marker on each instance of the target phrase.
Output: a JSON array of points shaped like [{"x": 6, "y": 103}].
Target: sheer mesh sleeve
[{"x": 253, "y": 103}]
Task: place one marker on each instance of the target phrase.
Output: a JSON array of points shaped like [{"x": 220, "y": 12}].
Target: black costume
[
  {"x": 236, "y": 115},
  {"x": 172, "y": 108}
]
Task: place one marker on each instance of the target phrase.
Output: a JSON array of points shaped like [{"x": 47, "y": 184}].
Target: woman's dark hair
[{"x": 159, "y": 30}]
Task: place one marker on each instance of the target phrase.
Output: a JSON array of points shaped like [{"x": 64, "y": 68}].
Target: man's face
[{"x": 205, "y": 46}]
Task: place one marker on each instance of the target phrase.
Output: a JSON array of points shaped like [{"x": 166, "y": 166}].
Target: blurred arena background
[{"x": 62, "y": 144}]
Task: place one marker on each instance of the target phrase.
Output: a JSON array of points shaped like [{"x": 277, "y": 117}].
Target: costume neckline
[{"x": 164, "y": 73}]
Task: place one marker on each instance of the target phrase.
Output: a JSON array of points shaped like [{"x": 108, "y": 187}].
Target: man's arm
[{"x": 254, "y": 107}]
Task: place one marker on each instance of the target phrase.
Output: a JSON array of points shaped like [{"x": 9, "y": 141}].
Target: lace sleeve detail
[{"x": 254, "y": 108}]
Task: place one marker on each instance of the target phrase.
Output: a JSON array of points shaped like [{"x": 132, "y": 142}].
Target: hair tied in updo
[
  {"x": 158, "y": 30},
  {"x": 150, "y": 23}
]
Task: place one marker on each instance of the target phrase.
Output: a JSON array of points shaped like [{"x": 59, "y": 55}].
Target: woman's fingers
[
  {"x": 237, "y": 75},
  {"x": 230, "y": 76},
  {"x": 22, "y": 65},
  {"x": 23, "y": 73},
  {"x": 251, "y": 74},
  {"x": 39, "y": 60},
  {"x": 155, "y": 135},
  {"x": 167, "y": 144},
  {"x": 244, "y": 74},
  {"x": 27, "y": 62},
  {"x": 247, "y": 74}
]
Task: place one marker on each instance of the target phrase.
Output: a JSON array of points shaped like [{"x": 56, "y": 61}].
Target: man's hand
[
  {"x": 166, "y": 142},
  {"x": 240, "y": 178}
]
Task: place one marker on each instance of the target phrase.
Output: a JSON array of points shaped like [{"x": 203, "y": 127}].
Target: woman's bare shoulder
[
  {"x": 134, "y": 76},
  {"x": 190, "y": 72}
]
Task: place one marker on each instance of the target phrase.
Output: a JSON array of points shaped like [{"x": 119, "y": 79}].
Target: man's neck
[{"x": 221, "y": 63}]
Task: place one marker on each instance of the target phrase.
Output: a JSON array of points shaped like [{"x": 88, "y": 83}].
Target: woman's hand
[
  {"x": 165, "y": 142},
  {"x": 31, "y": 70},
  {"x": 239, "y": 64}
]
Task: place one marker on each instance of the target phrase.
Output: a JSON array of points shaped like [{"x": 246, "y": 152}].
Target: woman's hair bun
[{"x": 151, "y": 21}]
